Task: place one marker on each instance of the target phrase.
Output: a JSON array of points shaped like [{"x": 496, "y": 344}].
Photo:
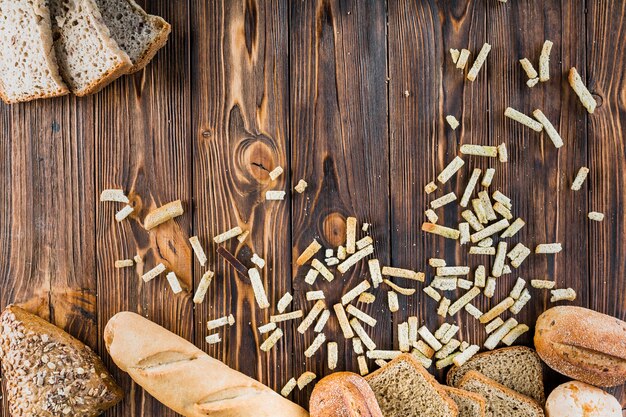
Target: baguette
[
  {"x": 344, "y": 394},
  {"x": 583, "y": 344},
  {"x": 186, "y": 379}
]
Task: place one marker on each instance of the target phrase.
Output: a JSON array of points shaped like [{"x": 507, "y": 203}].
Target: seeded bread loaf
[
  {"x": 48, "y": 373},
  {"x": 404, "y": 388},
  {"x": 28, "y": 66},
  {"x": 89, "y": 58},
  {"x": 501, "y": 401},
  {"x": 518, "y": 368},
  {"x": 138, "y": 33}
]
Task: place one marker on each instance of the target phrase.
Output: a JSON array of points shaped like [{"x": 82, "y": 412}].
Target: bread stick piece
[
  {"x": 317, "y": 308},
  {"x": 403, "y": 337},
  {"x": 305, "y": 379},
  {"x": 429, "y": 338},
  {"x": 452, "y": 168},
  {"x": 311, "y": 276},
  {"x": 479, "y": 209},
  {"x": 490, "y": 287},
  {"x": 486, "y": 202},
  {"x": 477, "y": 250},
  {"x": 321, "y": 268},
  {"x": 498, "y": 263},
  {"x": 275, "y": 195},
  {"x": 353, "y": 259},
  {"x": 403, "y": 273},
  {"x": 550, "y": 130},
  {"x": 431, "y": 216},
  {"x": 595, "y": 216},
  {"x": 495, "y": 337},
  {"x": 472, "y": 220},
  {"x": 583, "y": 93},
  {"x": 441, "y": 331},
  {"x": 432, "y": 293},
  {"x": 493, "y": 325},
  {"x": 343, "y": 321},
  {"x": 355, "y": 292},
  {"x": 301, "y": 186},
  {"x": 153, "y": 273},
  {"x": 480, "y": 276},
  {"x": 360, "y": 331},
  {"x": 266, "y": 328},
  {"x": 489, "y": 230},
  {"x": 288, "y": 387},
  {"x": 469, "y": 189},
  {"x": 284, "y": 302},
  {"x": 488, "y": 177},
  {"x": 544, "y": 61},
  {"x": 124, "y": 263},
  {"x": 275, "y": 173},
  {"x": 442, "y": 201},
  {"x": 315, "y": 345},
  {"x": 478, "y": 62},
  {"x": 523, "y": 299},
  {"x": 580, "y": 178},
  {"x": 516, "y": 292},
  {"x": 229, "y": 234},
  {"x": 363, "y": 369},
  {"x": 350, "y": 235},
  {"x": 454, "y": 53},
  {"x": 362, "y": 316},
  {"x": 220, "y": 322},
  {"x": 463, "y": 300},
  {"x": 430, "y": 187},
  {"x": 309, "y": 252},
  {"x": 497, "y": 310},
  {"x": 444, "y": 305},
  {"x": 441, "y": 231},
  {"x": 473, "y": 311},
  {"x": 392, "y": 300},
  {"x": 465, "y": 355},
  {"x": 279, "y": 318},
  {"x": 123, "y": 213},
  {"x": 503, "y": 154},
  {"x": 452, "y": 121},
  {"x": 271, "y": 340},
  {"x": 563, "y": 295},
  {"x": 436, "y": 262},
  {"x": 361, "y": 243},
  {"x": 388, "y": 355},
  {"x": 542, "y": 284},
  {"x": 333, "y": 355},
  {"x": 447, "y": 349},
  {"x": 520, "y": 117},
  {"x": 197, "y": 249},
  {"x": 203, "y": 287},
  {"x": 528, "y": 68},
  {"x": 114, "y": 195},
  {"x": 321, "y": 321},
  {"x": 515, "y": 227},
  {"x": 375, "y": 272},
  {"x": 548, "y": 248},
  {"x": 463, "y": 57},
  {"x": 315, "y": 295},
  {"x": 516, "y": 332}
]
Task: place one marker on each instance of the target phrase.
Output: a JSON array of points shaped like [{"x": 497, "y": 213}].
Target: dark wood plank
[
  {"x": 47, "y": 233},
  {"x": 143, "y": 146},
  {"x": 240, "y": 109},
  {"x": 607, "y": 159},
  {"x": 340, "y": 147},
  {"x": 538, "y": 176},
  {"x": 425, "y": 86}
]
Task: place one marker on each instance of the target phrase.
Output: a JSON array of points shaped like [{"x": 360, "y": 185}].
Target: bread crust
[
  {"x": 509, "y": 392},
  {"x": 186, "y": 379},
  {"x": 407, "y": 357},
  {"x": 475, "y": 397},
  {"x": 343, "y": 394},
  {"x": 24, "y": 336},
  {"x": 450, "y": 377},
  {"x": 583, "y": 344}
]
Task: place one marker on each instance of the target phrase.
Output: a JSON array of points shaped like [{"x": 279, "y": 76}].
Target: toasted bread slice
[
  {"x": 138, "y": 33},
  {"x": 89, "y": 58},
  {"x": 49, "y": 373},
  {"x": 470, "y": 404},
  {"x": 28, "y": 65},
  {"x": 518, "y": 368},
  {"x": 404, "y": 388},
  {"x": 501, "y": 401}
]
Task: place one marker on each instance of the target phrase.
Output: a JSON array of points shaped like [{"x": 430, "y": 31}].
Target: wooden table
[{"x": 350, "y": 96}]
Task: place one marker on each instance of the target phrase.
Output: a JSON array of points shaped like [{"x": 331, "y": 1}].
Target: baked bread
[
  {"x": 89, "y": 58},
  {"x": 404, "y": 388},
  {"x": 583, "y": 344},
  {"x": 48, "y": 373},
  {"x": 501, "y": 401},
  {"x": 186, "y": 379},
  {"x": 138, "y": 33},
  {"x": 470, "y": 404},
  {"x": 28, "y": 66},
  {"x": 577, "y": 399},
  {"x": 518, "y": 368},
  {"x": 343, "y": 394}
]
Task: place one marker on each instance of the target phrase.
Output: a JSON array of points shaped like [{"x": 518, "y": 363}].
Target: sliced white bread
[
  {"x": 28, "y": 66},
  {"x": 518, "y": 368},
  {"x": 501, "y": 401},
  {"x": 89, "y": 58},
  {"x": 404, "y": 388},
  {"x": 138, "y": 33},
  {"x": 470, "y": 404}
]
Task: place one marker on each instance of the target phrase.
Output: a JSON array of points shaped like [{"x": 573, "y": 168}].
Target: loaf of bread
[
  {"x": 28, "y": 65},
  {"x": 343, "y": 394},
  {"x": 48, "y": 373},
  {"x": 186, "y": 379},
  {"x": 583, "y": 344},
  {"x": 577, "y": 399},
  {"x": 89, "y": 58},
  {"x": 138, "y": 33}
]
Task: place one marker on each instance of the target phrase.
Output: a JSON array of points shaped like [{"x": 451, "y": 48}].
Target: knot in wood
[{"x": 334, "y": 227}]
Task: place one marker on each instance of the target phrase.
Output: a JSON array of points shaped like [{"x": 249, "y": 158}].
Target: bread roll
[
  {"x": 186, "y": 379},
  {"x": 343, "y": 394},
  {"x": 583, "y": 344},
  {"x": 577, "y": 399}
]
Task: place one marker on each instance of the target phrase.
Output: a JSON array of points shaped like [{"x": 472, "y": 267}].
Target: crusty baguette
[
  {"x": 186, "y": 379},
  {"x": 48, "y": 373},
  {"x": 583, "y": 344},
  {"x": 343, "y": 394}
]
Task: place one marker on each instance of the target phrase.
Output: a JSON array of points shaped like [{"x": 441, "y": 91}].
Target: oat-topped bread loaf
[
  {"x": 518, "y": 368},
  {"x": 138, "y": 33},
  {"x": 89, "y": 58},
  {"x": 48, "y": 373},
  {"x": 404, "y": 388},
  {"x": 28, "y": 66}
]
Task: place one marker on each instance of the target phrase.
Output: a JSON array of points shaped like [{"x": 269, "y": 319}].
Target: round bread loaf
[
  {"x": 343, "y": 394},
  {"x": 583, "y": 344},
  {"x": 577, "y": 399}
]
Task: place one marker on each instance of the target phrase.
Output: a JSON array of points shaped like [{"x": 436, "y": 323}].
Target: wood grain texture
[
  {"x": 607, "y": 155},
  {"x": 339, "y": 146},
  {"x": 350, "y": 96},
  {"x": 240, "y": 73}
]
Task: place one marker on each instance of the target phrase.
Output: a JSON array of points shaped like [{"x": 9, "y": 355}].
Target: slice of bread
[
  {"x": 470, "y": 404},
  {"x": 404, "y": 388},
  {"x": 138, "y": 33},
  {"x": 518, "y": 368},
  {"x": 501, "y": 401},
  {"x": 28, "y": 66},
  {"x": 89, "y": 58}
]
